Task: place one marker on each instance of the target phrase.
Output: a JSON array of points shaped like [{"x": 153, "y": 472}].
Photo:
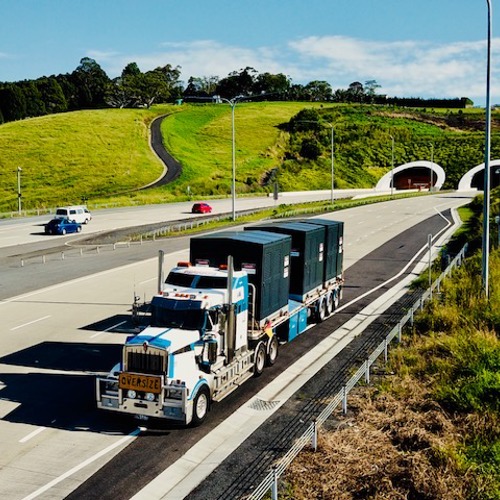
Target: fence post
[
  {"x": 62, "y": 255},
  {"x": 385, "y": 350},
  {"x": 315, "y": 435},
  {"x": 399, "y": 332},
  {"x": 43, "y": 259},
  {"x": 344, "y": 400},
  {"x": 367, "y": 371},
  {"x": 274, "y": 486},
  {"x": 22, "y": 263}
]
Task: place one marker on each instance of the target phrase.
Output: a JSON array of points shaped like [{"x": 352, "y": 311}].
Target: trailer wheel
[
  {"x": 320, "y": 311},
  {"x": 336, "y": 299},
  {"x": 330, "y": 305},
  {"x": 201, "y": 404},
  {"x": 272, "y": 350},
  {"x": 260, "y": 359}
]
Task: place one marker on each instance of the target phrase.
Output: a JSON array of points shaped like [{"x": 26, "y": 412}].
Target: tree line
[{"x": 89, "y": 87}]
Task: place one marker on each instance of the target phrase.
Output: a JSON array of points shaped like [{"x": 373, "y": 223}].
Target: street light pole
[
  {"x": 392, "y": 165},
  {"x": 232, "y": 103},
  {"x": 332, "y": 197},
  {"x": 486, "y": 190},
  {"x": 19, "y": 170}
]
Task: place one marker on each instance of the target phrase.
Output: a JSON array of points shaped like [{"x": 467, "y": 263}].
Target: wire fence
[{"x": 310, "y": 437}]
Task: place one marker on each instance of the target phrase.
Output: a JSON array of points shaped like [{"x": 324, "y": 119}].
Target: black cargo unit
[
  {"x": 334, "y": 245},
  {"x": 306, "y": 256},
  {"x": 265, "y": 257}
]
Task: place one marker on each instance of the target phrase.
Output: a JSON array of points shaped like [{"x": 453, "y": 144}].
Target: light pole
[
  {"x": 332, "y": 197},
  {"x": 19, "y": 170},
  {"x": 486, "y": 190},
  {"x": 232, "y": 103},
  {"x": 392, "y": 165}
]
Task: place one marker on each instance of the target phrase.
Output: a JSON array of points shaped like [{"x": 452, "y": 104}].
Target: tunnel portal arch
[
  {"x": 413, "y": 175},
  {"x": 474, "y": 178}
]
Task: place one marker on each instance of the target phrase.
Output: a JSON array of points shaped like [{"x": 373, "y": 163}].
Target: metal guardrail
[{"x": 310, "y": 436}]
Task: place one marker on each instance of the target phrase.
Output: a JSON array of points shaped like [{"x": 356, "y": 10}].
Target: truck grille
[{"x": 153, "y": 361}]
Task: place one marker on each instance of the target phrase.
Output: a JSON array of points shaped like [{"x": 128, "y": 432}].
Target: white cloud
[{"x": 402, "y": 68}]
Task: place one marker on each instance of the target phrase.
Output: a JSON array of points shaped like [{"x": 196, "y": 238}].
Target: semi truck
[{"x": 220, "y": 317}]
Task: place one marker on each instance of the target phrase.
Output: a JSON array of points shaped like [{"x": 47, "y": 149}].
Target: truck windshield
[{"x": 176, "y": 314}]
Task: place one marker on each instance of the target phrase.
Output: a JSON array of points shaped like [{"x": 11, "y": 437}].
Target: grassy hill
[{"x": 103, "y": 156}]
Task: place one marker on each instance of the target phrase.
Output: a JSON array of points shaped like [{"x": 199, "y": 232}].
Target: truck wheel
[
  {"x": 201, "y": 404},
  {"x": 336, "y": 299},
  {"x": 272, "y": 350},
  {"x": 330, "y": 306},
  {"x": 321, "y": 311},
  {"x": 260, "y": 359}
]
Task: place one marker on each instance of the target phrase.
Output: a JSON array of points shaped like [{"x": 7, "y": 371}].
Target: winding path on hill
[{"x": 172, "y": 168}]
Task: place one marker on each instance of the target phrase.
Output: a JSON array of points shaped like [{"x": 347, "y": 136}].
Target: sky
[{"x": 412, "y": 48}]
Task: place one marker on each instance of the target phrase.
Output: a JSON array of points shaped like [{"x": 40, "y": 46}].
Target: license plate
[{"x": 143, "y": 383}]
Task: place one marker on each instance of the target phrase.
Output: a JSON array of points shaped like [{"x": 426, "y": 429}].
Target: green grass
[
  {"x": 455, "y": 352},
  {"x": 202, "y": 137},
  {"x": 104, "y": 156},
  {"x": 67, "y": 157}
]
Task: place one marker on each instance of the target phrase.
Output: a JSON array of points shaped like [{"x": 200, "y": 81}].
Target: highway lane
[
  {"x": 15, "y": 232},
  {"x": 55, "y": 339}
]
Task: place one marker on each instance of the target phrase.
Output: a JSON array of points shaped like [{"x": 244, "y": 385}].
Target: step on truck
[{"x": 219, "y": 318}]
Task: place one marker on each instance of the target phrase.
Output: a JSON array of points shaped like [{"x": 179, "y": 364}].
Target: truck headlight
[
  {"x": 174, "y": 394},
  {"x": 131, "y": 394},
  {"x": 150, "y": 396}
]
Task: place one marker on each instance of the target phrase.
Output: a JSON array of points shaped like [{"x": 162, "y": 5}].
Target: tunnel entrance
[
  {"x": 415, "y": 178},
  {"x": 478, "y": 179}
]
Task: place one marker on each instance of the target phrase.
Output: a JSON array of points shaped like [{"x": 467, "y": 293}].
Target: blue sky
[{"x": 426, "y": 48}]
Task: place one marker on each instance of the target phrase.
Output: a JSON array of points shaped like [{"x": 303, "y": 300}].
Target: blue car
[{"x": 62, "y": 226}]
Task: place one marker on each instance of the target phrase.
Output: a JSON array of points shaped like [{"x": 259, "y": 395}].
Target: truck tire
[
  {"x": 330, "y": 305},
  {"x": 320, "y": 311},
  {"x": 260, "y": 359},
  {"x": 201, "y": 405},
  {"x": 336, "y": 299},
  {"x": 272, "y": 350}
]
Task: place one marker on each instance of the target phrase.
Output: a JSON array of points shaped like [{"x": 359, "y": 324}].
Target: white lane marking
[
  {"x": 29, "y": 323},
  {"x": 32, "y": 434},
  {"x": 108, "y": 329},
  {"x": 148, "y": 281},
  {"x": 79, "y": 467}
]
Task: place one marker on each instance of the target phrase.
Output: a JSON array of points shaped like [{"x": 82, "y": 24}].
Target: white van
[{"x": 77, "y": 213}]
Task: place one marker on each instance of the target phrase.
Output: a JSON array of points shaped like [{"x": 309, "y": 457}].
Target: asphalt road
[{"x": 54, "y": 339}]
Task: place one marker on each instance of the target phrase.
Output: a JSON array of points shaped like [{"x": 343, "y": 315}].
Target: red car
[{"x": 201, "y": 208}]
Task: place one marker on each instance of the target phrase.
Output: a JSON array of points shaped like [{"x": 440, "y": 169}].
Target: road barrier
[{"x": 310, "y": 436}]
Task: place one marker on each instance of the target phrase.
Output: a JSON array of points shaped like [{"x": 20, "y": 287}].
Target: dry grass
[{"x": 387, "y": 449}]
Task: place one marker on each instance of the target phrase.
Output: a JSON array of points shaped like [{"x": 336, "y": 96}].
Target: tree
[
  {"x": 237, "y": 83},
  {"x": 35, "y": 106},
  {"x": 310, "y": 149},
  {"x": 305, "y": 120},
  {"x": 91, "y": 83},
  {"x": 276, "y": 85},
  {"x": 205, "y": 86},
  {"x": 355, "y": 92},
  {"x": 318, "y": 90},
  {"x": 371, "y": 87},
  {"x": 52, "y": 94},
  {"x": 135, "y": 89},
  {"x": 12, "y": 102}
]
